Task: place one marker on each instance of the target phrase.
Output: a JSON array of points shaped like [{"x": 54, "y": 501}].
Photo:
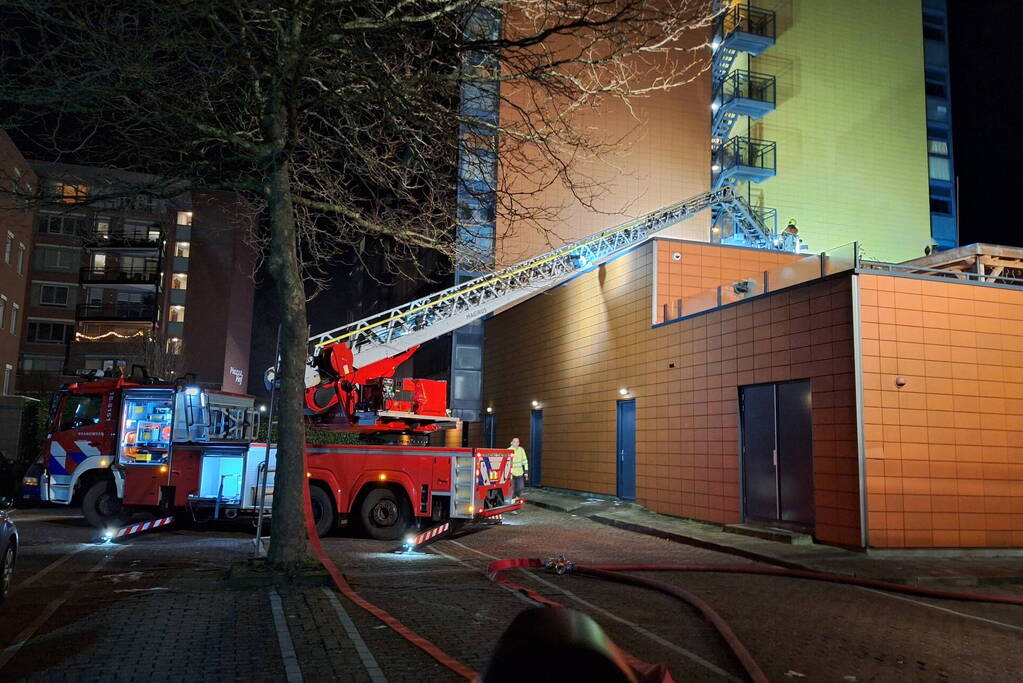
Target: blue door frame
[
  {"x": 626, "y": 449},
  {"x": 535, "y": 447}
]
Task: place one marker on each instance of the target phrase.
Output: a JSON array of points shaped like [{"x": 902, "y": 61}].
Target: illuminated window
[
  {"x": 176, "y": 314},
  {"x": 940, "y": 168},
  {"x": 181, "y": 249},
  {"x": 184, "y": 217},
  {"x": 174, "y": 346},
  {"x": 179, "y": 281},
  {"x": 21, "y": 258},
  {"x": 14, "y": 318},
  {"x": 8, "y": 247},
  {"x": 939, "y": 147},
  {"x": 71, "y": 194}
]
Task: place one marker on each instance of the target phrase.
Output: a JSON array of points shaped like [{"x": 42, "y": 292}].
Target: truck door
[
  {"x": 147, "y": 425},
  {"x": 80, "y": 431}
]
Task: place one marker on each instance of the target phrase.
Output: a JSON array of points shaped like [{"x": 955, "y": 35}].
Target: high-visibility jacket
[{"x": 520, "y": 464}]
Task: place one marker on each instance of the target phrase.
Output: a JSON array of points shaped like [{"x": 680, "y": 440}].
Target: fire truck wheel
[
  {"x": 384, "y": 515},
  {"x": 323, "y": 511},
  {"x": 101, "y": 506}
]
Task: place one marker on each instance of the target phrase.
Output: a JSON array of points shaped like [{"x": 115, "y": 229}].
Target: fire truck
[{"x": 118, "y": 446}]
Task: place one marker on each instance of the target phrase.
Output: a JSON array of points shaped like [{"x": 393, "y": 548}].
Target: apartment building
[
  {"x": 119, "y": 279},
  {"x": 16, "y": 231}
]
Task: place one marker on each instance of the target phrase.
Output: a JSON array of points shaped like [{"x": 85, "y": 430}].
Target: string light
[{"x": 79, "y": 336}]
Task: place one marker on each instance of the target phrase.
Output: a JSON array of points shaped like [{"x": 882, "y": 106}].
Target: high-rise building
[{"x": 136, "y": 280}]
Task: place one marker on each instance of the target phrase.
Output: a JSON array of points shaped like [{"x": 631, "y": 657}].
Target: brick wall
[
  {"x": 16, "y": 225},
  {"x": 944, "y": 451},
  {"x": 574, "y": 347}
]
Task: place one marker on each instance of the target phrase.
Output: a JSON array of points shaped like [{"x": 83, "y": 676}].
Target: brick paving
[{"x": 164, "y": 609}]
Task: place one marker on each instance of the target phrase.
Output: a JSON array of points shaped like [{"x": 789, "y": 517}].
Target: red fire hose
[{"x": 610, "y": 572}]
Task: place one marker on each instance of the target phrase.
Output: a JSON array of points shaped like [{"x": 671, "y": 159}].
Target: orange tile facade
[
  {"x": 705, "y": 266},
  {"x": 944, "y": 452},
  {"x": 573, "y": 348}
]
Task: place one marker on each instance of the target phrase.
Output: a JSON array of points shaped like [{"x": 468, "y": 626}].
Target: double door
[{"x": 777, "y": 453}]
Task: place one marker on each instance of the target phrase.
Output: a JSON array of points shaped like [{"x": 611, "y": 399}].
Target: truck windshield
[
  {"x": 146, "y": 434},
  {"x": 80, "y": 411}
]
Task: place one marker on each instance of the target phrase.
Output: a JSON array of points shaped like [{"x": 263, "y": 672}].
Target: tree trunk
[{"x": 289, "y": 537}]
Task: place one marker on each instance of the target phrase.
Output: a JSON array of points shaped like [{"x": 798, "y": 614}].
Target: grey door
[{"x": 777, "y": 452}]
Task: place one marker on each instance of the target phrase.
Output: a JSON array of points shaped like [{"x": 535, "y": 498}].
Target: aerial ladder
[{"x": 349, "y": 378}]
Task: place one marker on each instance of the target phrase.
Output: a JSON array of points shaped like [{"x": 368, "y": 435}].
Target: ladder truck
[{"x": 390, "y": 487}]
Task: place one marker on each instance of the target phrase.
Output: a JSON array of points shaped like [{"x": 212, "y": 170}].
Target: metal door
[
  {"x": 535, "y": 447},
  {"x": 626, "y": 467},
  {"x": 777, "y": 452},
  {"x": 489, "y": 431},
  {"x": 759, "y": 453},
  {"x": 795, "y": 450}
]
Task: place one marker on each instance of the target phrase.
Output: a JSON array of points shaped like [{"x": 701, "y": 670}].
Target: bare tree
[{"x": 344, "y": 121}]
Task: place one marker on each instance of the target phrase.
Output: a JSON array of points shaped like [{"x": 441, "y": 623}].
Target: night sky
[{"x": 985, "y": 37}]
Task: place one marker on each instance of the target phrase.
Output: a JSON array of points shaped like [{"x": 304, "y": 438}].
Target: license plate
[{"x": 143, "y": 457}]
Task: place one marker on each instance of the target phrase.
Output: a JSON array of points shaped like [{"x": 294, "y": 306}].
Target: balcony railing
[
  {"x": 125, "y": 239},
  {"x": 117, "y": 311},
  {"x": 745, "y": 159},
  {"x": 139, "y": 276},
  {"x": 747, "y": 93},
  {"x": 746, "y": 29}
]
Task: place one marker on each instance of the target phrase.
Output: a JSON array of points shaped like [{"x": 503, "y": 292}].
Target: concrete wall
[
  {"x": 573, "y": 348},
  {"x": 850, "y": 124},
  {"x": 945, "y": 451}
]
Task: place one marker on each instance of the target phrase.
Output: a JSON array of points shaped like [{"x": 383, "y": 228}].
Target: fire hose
[{"x": 612, "y": 572}]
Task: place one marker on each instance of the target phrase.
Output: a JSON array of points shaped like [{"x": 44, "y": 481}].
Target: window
[
  {"x": 940, "y": 169},
  {"x": 60, "y": 224},
  {"x": 934, "y": 33},
  {"x": 56, "y": 258},
  {"x": 8, "y": 373},
  {"x": 42, "y": 364},
  {"x": 937, "y": 147},
  {"x": 21, "y": 258},
  {"x": 80, "y": 411},
  {"x": 103, "y": 227},
  {"x": 8, "y": 247},
  {"x": 935, "y": 89},
  {"x": 176, "y": 314},
  {"x": 179, "y": 281},
  {"x": 937, "y": 109},
  {"x": 14, "y": 318},
  {"x": 3, "y": 308},
  {"x": 71, "y": 194},
  {"x": 174, "y": 346},
  {"x": 940, "y": 205},
  {"x": 181, "y": 249},
  {"x": 48, "y": 333},
  {"x": 184, "y": 217},
  {"x": 53, "y": 295}
]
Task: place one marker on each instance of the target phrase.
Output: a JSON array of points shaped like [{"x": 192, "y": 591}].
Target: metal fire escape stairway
[{"x": 389, "y": 333}]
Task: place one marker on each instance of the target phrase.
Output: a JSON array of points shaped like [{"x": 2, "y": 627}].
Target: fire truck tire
[
  {"x": 101, "y": 507},
  {"x": 385, "y": 516},
  {"x": 324, "y": 516}
]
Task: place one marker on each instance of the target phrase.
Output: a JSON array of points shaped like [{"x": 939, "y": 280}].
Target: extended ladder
[{"x": 389, "y": 333}]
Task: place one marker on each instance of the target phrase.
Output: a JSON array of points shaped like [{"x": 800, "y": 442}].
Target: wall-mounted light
[
  {"x": 536, "y": 404},
  {"x": 715, "y": 168},
  {"x": 623, "y": 391},
  {"x": 490, "y": 410},
  {"x": 715, "y": 45}
]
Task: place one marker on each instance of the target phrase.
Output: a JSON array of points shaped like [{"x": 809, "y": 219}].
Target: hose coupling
[{"x": 559, "y": 565}]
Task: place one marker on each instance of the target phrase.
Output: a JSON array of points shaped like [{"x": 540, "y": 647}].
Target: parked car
[{"x": 8, "y": 546}]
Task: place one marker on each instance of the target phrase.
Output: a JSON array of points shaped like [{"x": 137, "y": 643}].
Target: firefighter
[{"x": 520, "y": 468}]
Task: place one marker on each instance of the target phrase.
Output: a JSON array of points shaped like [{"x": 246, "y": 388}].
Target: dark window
[
  {"x": 80, "y": 411},
  {"x": 940, "y": 205},
  {"x": 934, "y": 33},
  {"x": 48, "y": 333},
  {"x": 935, "y": 89}
]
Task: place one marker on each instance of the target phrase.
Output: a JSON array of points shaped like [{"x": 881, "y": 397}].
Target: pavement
[
  {"x": 178, "y": 604},
  {"x": 936, "y": 568}
]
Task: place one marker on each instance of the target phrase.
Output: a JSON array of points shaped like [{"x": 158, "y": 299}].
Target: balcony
[
  {"x": 117, "y": 311},
  {"x": 124, "y": 239},
  {"x": 745, "y": 29},
  {"x": 144, "y": 277},
  {"x": 743, "y": 159}
]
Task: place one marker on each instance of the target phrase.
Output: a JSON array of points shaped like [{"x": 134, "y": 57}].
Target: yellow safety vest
[{"x": 520, "y": 464}]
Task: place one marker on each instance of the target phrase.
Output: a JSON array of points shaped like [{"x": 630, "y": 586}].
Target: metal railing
[
  {"x": 939, "y": 273},
  {"x": 749, "y": 85},
  {"x": 116, "y": 311},
  {"x": 749, "y": 152},
  {"x": 141, "y": 239},
  {"x": 433, "y": 315},
  {"x": 746, "y": 19},
  {"x": 144, "y": 275}
]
